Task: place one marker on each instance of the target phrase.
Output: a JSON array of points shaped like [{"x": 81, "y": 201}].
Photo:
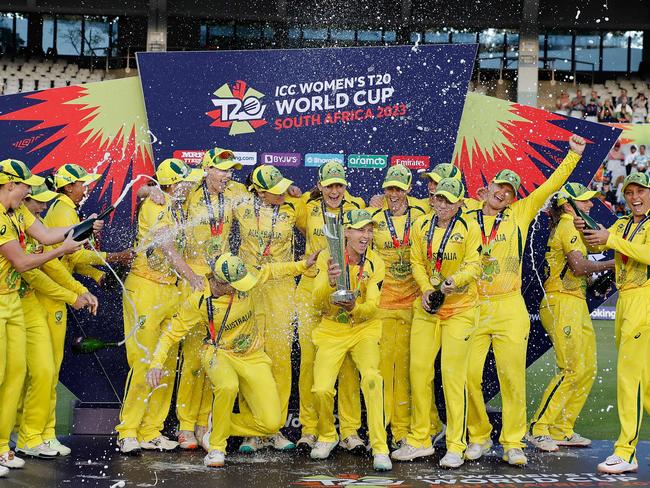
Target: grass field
[{"x": 599, "y": 419}]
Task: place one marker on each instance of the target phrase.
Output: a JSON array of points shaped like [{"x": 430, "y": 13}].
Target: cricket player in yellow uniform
[
  {"x": 266, "y": 222},
  {"x": 504, "y": 321},
  {"x": 392, "y": 241},
  {"x": 15, "y": 182},
  {"x": 149, "y": 302},
  {"x": 330, "y": 196},
  {"x": 210, "y": 213},
  {"x": 350, "y": 327},
  {"x": 565, "y": 317},
  {"x": 233, "y": 351},
  {"x": 445, "y": 259},
  {"x": 629, "y": 237},
  {"x": 54, "y": 280}
]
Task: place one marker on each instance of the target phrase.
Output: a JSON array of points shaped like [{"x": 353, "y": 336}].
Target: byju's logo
[{"x": 238, "y": 108}]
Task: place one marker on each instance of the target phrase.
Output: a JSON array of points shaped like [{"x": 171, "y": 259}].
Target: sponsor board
[
  {"x": 192, "y": 157},
  {"x": 411, "y": 162},
  {"x": 319, "y": 159},
  {"x": 246, "y": 158},
  {"x": 282, "y": 159},
  {"x": 367, "y": 161}
]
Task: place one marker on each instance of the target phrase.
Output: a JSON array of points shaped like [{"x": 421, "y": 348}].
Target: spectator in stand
[
  {"x": 640, "y": 109},
  {"x": 610, "y": 195},
  {"x": 641, "y": 160},
  {"x": 629, "y": 160},
  {"x": 578, "y": 105},
  {"x": 593, "y": 107},
  {"x": 563, "y": 104},
  {"x": 616, "y": 162},
  {"x": 623, "y": 111},
  {"x": 607, "y": 113},
  {"x": 622, "y": 95}
]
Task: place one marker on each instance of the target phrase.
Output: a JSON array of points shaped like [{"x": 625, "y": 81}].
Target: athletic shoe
[
  {"x": 451, "y": 460},
  {"x": 250, "y": 445},
  {"x": 205, "y": 441},
  {"x": 214, "y": 459},
  {"x": 616, "y": 465},
  {"x": 408, "y": 453},
  {"x": 10, "y": 460},
  {"x": 129, "y": 445},
  {"x": 576, "y": 440},
  {"x": 381, "y": 462},
  {"x": 199, "y": 432},
  {"x": 353, "y": 444},
  {"x": 187, "y": 440},
  {"x": 439, "y": 436},
  {"x": 306, "y": 442},
  {"x": 397, "y": 444},
  {"x": 543, "y": 442},
  {"x": 58, "y": 447},
  {"x": 41, "y": 451},
  {"x": 3, "y": 471},
  {"x": 322, "y": 450},
  {"x": 515, "y": 456},
  {"x": 476, "y": 451},
  {"x": 160, "y": 443},
  {"x": 278, "y": 442}
]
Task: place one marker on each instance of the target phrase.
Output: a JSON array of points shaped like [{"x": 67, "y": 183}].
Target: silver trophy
[{"x": 333, "y": 230}]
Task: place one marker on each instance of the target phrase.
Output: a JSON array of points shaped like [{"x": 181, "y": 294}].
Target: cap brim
[
  {"x": 506, "y": 182},
  {"x": 396, "y": 184},
  {"x": 45, "y": 196},
  {"x": 224, "y": 165},
  {"x": 361, "y": 224},
  {"x": 90, "y": 178},
  {"x": 333, "y": 181},
  {"x": 246, "y": 283},
  {"x": 588, "y": 195},
  {"x": 194, "y": 176},
  {"x": 449, "y": 196},
  {"x": 281, "y": 187},
  {"x": 431, "y": 176},
  {"x": 634, "y": 183},
  {"x": 34, "y": 180}
]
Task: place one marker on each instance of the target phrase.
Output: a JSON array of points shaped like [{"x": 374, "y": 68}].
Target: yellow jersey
[
  {"x": 632, "y": 252},
  {"x": 460, "y": 260},
  {"x": 12, "y": 228}
]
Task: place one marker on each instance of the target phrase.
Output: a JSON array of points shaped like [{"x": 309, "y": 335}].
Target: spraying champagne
[
  {"x": 87, "y": 345},
  {"x": 83, "y": 230}
]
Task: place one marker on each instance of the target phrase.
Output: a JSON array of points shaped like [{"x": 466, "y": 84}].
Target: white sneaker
[
  {"x": 41, "y": 451},
  {"x": 576, "y": 440},
  {"x": 3, "y": 471},
  {"x": 476, "y": 451},
  {"x": 214, "y": 459},
  {"x": 306, "y": 442},
  {"x": 199, "y": 432},
  {"x": 543, "y": 442},
  {"x": 439, "y": 436},
  {"x": 187, "y": 440},
  {"x": 279, "y": 442},
  {"x": 616, "y": 465},
  {"x": 58, "y": 447},
  {"x": 451, "y": 460},
  {"x": 515, "y": 456},
  {"x": 322, "y": 450},
  {"x": 10, "y": 460},
  {"x": 160, "y": 443},
  {"x": 129, "y": 445},
  {"x": 205, "y": 441},
  {"x": 408, "y": 453},
  {"x": 250, "y": 445},
  {"x": 381, "y": 462},
  {"x": 353, "y": 444}
]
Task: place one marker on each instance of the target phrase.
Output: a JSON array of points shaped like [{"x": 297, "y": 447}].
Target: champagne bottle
[
  {"x": 436, "y": 299},
  {"x": 83, "y": 230},
  {"x": 87, "y": 345},
  {"x": 589, "y": 222}
]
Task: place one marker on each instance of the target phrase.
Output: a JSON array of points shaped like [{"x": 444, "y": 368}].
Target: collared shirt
[{"x": 12, "y": 228}]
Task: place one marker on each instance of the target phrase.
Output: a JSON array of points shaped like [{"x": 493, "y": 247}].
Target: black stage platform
[{"x": 95, "y": 462}]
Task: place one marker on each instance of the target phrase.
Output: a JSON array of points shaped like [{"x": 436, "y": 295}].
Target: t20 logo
[{"x": 238, "y": 108}]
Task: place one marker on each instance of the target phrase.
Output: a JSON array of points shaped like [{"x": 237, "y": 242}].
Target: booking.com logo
[{"x": 238, "y": 108}]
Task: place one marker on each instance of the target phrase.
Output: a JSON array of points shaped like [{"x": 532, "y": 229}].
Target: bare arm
[
  {"x": 24, "y": 262},
  {"x": 581, "y": 266}
]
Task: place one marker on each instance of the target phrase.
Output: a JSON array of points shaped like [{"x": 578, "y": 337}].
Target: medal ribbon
[
  {"x": 624, "y": 258},
  {"x": 393, "y": 233},
  {"x": 213, "y": 336},
  {"x": 495, "y": 228},
  {"x": 274, "y": 219},
  {"x": 215, "y": 228},
  {"x": 445, "y": 238}
]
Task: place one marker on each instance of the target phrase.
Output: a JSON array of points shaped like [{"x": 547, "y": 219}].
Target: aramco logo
[{"x": 239, "y": 108}]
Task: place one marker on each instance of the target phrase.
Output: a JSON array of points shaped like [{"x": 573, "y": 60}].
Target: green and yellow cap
[
  {"x": 173, "y": 170},
  {"x": 641, "y": 179},
  {"x": 442, "y": 170},
  {"x": 450, "y": 188},
  {"x": 71, "y": 173},
  {"x": 14, "y": 170},
  {"x": 268, "y": 178},
  {"x": 223, "y": 159},
  {"x": 508, "y": 177},
  {"x": 398, "y": 176},
  {"x": 43, "y": 194},
  {"x": 357, "y": 219},
  {"x": 574, "y": 191},
  {"x": 331, "y": 173},
  {"x": 232, "y": 270}
]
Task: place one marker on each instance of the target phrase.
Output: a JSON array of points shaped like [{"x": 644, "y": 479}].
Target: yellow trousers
[
  {"x": 144, "y": 411},
  {"x": 194, "y": 396},
  {"x": 349, "y": 401},
  {"x": 249, "y": 376},
  {"x": 567, "y": 322},
  {"x": 394, "y": 366},
  {"x": 428, "y": 335},
  {"x": 40, "y": 374},
  {"x": 504, "y": 323},
  {"x": 633, "y": 344},
  {"x": 56, "y": 314},
  {"x": 13, "y": 356},
  {"x": 333, "y": 342}
]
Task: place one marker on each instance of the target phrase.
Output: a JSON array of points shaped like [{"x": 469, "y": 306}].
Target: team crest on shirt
[
  {"x": 382, "y": 225},
  {"x": 248, "y": 213},
  {"x": 283, "y": 216},
  {"x": 567, "y": 330},
  {"x": 315, "y": 211},
  {"x": 58, "y": 315},
  {"x": 141, "y": 320},
  {"x": 457, "y": 237}
]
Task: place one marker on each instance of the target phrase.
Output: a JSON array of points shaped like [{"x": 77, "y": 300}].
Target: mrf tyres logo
[{"x": 238, "y": 107}]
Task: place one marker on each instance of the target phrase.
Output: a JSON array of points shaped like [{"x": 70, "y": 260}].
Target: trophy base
[{"x": 342, "y": 296}]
